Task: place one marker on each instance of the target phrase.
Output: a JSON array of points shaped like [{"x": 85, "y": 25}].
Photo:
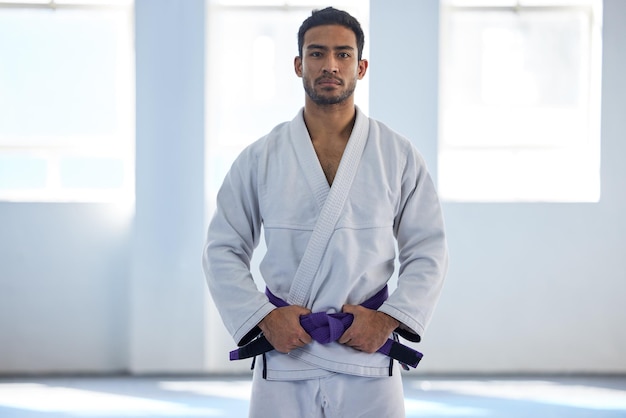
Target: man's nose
[{"x": 330, "y": 65}]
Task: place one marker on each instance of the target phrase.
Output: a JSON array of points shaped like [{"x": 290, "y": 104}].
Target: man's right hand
[{"x": 282, "y": 328}]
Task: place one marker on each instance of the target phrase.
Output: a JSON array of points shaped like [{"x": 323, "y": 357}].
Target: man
[{"x": 334, "y": 192}]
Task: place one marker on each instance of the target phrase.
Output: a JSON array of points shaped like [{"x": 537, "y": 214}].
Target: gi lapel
[{"x": 300, "y": 291}]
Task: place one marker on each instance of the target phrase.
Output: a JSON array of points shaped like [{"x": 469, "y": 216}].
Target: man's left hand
[{"x": 369, "y": 330}]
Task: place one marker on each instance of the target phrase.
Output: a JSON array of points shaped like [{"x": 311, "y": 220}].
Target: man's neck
[{"x": 329, "y": 122}]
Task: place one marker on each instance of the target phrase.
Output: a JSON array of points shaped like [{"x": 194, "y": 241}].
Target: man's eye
[
  {"x": 344, "y": 55},
  {"x": 316, "y": 54}
]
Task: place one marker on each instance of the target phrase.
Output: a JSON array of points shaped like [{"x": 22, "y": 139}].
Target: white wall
[
  {"x": 532, "y": 287},
  {"x": 63, "y": 287}
]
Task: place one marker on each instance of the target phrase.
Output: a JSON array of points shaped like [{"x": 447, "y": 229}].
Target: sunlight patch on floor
[
  {"x": 231, "y": 390},
  {"x": 415, "y": 408},
  {"x": 570, "y": 395},
  {"x": 43, "y": 398}
]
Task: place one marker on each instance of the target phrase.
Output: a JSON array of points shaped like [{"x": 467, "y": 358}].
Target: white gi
[{"x": 278, "y": 183}]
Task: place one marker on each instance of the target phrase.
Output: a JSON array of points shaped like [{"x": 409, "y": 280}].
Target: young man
[{"x": 335, "y": 192}]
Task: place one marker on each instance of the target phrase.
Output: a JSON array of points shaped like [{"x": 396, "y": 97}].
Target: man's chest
[{"x": 329, "y": 157}]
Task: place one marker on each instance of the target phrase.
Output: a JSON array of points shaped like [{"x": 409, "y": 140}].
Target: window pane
[
  {"x": 66, "y": 95},
  {"x": 22, "y": 171},
  {"x": 519, "y": 105},
  {"x": 95, "y": 172},
  {"x": 56, "y": 70}
]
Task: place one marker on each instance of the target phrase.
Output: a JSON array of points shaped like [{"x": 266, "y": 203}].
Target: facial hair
[{"x": 323, "y": 100}]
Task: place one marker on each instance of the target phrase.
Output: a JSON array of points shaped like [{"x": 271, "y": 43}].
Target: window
[
  {"x": 520, "y": 100},
  {"x": 251, "y": 82},
  {"x": 66, "y": 101}
]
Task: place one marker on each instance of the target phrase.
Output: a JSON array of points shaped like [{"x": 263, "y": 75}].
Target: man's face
[{"x": 329, "y": 66}]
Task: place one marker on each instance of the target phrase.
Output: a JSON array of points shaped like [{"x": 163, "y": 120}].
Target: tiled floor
[{"x": 115, "y": 397}]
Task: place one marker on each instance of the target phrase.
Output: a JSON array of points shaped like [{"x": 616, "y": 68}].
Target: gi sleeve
[
  {"x": 422, "y": 250},
  {"x": 232, "y": 236}
]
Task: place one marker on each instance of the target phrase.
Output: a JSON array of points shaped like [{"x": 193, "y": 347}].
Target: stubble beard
[{"x": 323, "y": 100}]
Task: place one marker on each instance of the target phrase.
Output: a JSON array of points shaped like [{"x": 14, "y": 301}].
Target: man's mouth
[{"x": 329, "y": 82}]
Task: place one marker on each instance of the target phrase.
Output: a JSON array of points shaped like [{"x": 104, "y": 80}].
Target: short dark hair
[{"x": 332, "y": 16}]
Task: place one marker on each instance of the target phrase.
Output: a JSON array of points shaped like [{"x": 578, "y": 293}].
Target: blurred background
[{"x": 119, "y": 119}]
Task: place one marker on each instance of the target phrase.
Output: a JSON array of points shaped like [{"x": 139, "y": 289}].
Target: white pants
[{"x": 337, "y": 396}]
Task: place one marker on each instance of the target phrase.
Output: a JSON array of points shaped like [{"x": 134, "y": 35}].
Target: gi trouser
[{"x": 336, "y": 396}]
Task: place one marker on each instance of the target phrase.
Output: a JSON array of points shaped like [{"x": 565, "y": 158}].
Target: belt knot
[{"x": 326, "y": 328}]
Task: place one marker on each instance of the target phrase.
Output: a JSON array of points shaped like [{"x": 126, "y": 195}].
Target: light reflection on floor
[
  {"x": 46, "y": 398},
  {"x": 418, "y": 408},
  {"x": 548, "y": 392},
  {"x": 232, "y": 389},
  {"x": 115, "y": 397},
  {"x": 97, "y": 397}
]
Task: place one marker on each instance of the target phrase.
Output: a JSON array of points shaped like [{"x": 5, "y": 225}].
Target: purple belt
[{"x": 326, "y": 328}]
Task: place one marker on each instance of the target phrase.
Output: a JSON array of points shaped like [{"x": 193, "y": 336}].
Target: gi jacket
[{"x": 277, "y": 184}]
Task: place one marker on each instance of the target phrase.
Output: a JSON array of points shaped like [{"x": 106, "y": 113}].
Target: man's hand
[
  {"x": 282, "y": 328},
  {"x": 369, "y": 330}
]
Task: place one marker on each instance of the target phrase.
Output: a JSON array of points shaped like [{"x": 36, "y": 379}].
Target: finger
[
  {"x": 353, "y": 344},
  {"x": 345, "y": 338},
  {"x": 306, "y": 339},
  {"x": 301, "y": 310},
  {"x": 348, "y": 308},
  {"x": 296, "y": 345},
  {"x": 303, "y": 337}
]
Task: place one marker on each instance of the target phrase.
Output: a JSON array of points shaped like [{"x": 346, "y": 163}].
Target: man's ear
[
  {"x": 363, "y": 65},
  {"x": 297, "y": 66}
]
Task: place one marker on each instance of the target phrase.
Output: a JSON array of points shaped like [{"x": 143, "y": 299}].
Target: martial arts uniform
[{"x": 382, "y": 194}]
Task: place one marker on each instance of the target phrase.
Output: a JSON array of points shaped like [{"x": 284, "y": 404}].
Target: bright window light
[
  {"x": 66, "y": 102},
  {"x": 520, "y": 101}
]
